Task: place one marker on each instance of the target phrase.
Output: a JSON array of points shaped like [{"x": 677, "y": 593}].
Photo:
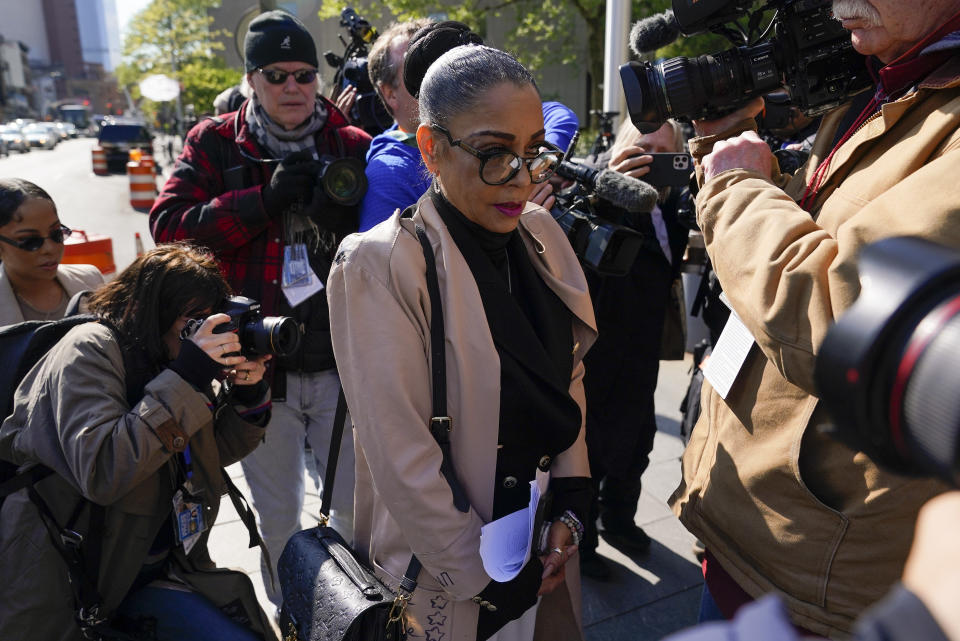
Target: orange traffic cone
[{"x": 138, "y": 242}]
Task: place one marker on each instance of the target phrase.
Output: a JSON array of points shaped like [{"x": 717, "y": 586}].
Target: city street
[{"x": 85, "y": 201}]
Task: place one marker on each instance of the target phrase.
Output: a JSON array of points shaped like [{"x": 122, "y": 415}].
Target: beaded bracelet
[{"x": 570, "y": 519}]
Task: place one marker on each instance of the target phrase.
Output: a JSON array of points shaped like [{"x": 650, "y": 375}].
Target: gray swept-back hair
[{"x": 456, "y": 81}]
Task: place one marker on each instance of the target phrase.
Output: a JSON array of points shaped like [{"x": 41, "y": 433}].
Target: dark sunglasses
[
  {"x": 33, "y": 243},
  {"x": 499, "y": 167},
  {"x": 277, "y": 77}
]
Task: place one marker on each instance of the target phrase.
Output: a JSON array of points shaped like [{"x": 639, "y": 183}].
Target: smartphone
[{"x": 669, "y": 170}]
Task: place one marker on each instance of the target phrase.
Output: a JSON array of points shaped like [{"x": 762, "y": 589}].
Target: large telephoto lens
[
  {"x": 277, "y": 335},
  {"x": 886, "y": 371},
  {"x": 707, "y": 86}
]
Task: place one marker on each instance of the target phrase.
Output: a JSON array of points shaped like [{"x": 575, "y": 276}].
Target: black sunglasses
[
  {"x": 277, "y": 77},
  {"x": 500, "y": 166},
  {"x": 33, "y": 243}
]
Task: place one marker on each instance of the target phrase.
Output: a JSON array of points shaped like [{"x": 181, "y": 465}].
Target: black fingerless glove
[
  {"x": 194, "y": 365},
  {"x": 248, "y": 394},
  {"x": 292, "y": 181}
]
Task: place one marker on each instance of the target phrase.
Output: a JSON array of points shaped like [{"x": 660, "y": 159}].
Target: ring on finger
[
  {"x": 246, "y": 375},
  {"x": 558, "y": 551}
]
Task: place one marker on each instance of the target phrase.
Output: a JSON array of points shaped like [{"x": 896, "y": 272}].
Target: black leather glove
[{"x": 293, "y": 180}]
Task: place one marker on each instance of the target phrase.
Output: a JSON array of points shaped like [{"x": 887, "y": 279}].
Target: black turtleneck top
[{"x": 532, "y": 331}]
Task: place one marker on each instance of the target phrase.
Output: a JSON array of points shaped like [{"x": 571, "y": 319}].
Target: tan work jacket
[{"x": 783, "y": 507}]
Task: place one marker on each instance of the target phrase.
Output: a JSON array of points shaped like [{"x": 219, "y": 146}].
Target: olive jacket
[
  {"x": 380, "y": 321},
  {"x": 71, "y": 414},
  {"x": 73, "y": 279},
  {"x": 783, "y": 507}
]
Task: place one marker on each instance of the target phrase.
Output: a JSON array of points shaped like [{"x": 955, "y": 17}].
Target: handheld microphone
[
  {"x": 654, "y": 32},
  {"x": 617, "y": 189}
]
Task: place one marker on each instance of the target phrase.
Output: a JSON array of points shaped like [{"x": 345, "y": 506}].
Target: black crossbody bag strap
[{"x": 440, "y": 422}]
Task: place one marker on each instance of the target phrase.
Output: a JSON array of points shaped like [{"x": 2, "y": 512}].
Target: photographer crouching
[
  {"x": 272, "y": 189},
  {"x": 779, "y": 505},
  {"x": 132, "y": 419}
]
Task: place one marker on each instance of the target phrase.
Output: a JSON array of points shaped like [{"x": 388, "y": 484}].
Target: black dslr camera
[
  {"x": 809, "y": 54},
  {"x": 602, "y": 245},
  {"x": 277, "y": 335},
  {"x": 342, "y": 179},
  {"x": 887, "y": 371},
  {"x": 368, "y": 112}
]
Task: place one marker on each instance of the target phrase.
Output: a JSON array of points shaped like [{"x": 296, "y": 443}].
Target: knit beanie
[
  {"x": 277, "y": 36},
  {"x": 428, "y": 44}
]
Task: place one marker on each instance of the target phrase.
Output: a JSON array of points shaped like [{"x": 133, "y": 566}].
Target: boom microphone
[
  {"x": 654, "y": 32},
  {"x": 617, "y": 189}
]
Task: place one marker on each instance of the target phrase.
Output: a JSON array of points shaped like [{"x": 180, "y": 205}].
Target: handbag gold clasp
[
  {"x": 291, "y": 634},
  {"x": 398, "y": 609}
]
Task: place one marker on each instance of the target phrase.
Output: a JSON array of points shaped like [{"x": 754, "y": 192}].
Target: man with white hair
[{"x": 780, "y": 506}]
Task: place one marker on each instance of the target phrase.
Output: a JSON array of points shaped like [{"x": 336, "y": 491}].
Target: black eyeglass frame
[
  {"x": 286, "y": 74},
  {"x": 485, "y": 156},
  {"x": 31, "y": 244}
]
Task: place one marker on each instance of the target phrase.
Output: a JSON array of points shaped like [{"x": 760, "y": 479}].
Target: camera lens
[
  {"x": 283, "y": 334},
  {"x": 343, "y": 181},
  {"x": 707, "y": 86}
]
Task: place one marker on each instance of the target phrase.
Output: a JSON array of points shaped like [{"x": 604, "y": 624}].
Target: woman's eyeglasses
[
  {"x": 33, "y": 243},
  {"x": 277, "y": 77},
  {"x": 499, "y": 167}
]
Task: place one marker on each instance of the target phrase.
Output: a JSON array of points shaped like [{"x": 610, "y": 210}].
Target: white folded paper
[{"x": 505, "y": 544}]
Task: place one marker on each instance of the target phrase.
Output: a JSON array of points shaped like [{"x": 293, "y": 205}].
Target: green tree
[
  {"x": 170, "y": 33},
  {"x": 541, "y": 35}
]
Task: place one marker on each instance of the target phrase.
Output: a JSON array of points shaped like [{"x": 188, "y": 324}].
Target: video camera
[
  {"x": 886, "y": 371},
  {"x": 277, "y": 335},
  {"x": 809, "y": 54},
  {"x": 351, "y": 68},
  {"x": 600, "y": 244}
]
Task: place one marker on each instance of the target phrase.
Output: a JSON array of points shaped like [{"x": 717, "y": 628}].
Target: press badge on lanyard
[
  {"x": 299, "y": 280},
  {"x": 729, "y": 354},
  {"x": 188, "y": 523}
]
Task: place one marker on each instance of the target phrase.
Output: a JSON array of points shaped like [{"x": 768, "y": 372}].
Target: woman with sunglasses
[
  {"x": 517, "y": 321},
  {"x": 33, "y": 283},
  {"x": 135, "y": 415}
]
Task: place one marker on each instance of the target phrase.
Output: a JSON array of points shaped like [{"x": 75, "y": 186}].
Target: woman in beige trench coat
[{"x": 517, "y": 322}]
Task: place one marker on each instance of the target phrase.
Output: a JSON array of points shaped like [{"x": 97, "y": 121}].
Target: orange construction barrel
[
  {"x": 143, "y": 185},
  {"x": 100, "y": 161},
  {"x": 89, "y": 249},
  {"x": 148, "y": 161}
]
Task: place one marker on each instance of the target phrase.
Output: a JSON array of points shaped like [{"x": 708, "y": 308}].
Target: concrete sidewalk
[{"x": 647, "y": 597}]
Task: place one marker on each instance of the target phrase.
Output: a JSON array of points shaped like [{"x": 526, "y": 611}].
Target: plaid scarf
[{"x": 281, "y": 143}]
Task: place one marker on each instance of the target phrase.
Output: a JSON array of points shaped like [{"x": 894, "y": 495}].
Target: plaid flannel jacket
[{"x": 196, "y": 204}]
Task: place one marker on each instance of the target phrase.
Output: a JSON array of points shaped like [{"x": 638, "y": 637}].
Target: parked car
[
  {"x": 118, "y": 137},
  {"x": 40, "y": 134},
  {"x": 14, "y": 139}
]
